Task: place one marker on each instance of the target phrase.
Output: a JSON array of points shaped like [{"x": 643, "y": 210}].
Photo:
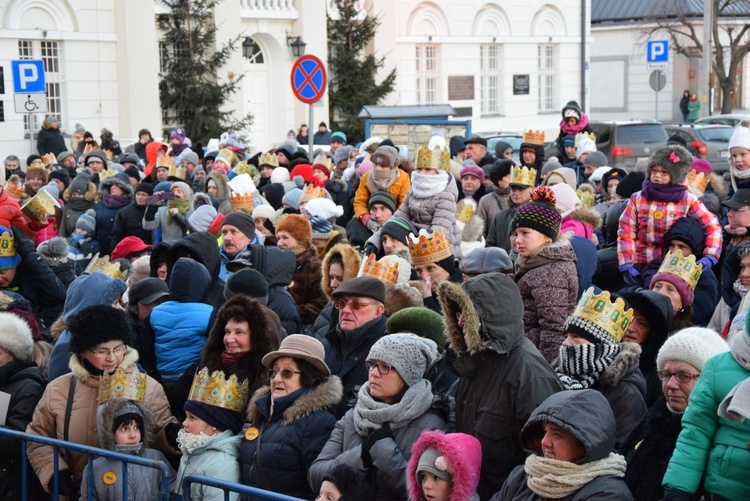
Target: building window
[
  {"x": 163, "y": 56},
  {"x": 546, "y": 59},
  {"x": 489, "y": 57},
  {"x": 49, "y": 53},
  {"x": 427, "y": 74}
]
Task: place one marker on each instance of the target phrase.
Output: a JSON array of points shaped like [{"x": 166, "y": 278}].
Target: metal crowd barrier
[{"x": 228, "y": 487}]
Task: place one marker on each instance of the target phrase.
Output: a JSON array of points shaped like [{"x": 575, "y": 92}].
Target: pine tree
[
  {"x": 190, "y": 93},
  {"x": 352, "y": 73}
]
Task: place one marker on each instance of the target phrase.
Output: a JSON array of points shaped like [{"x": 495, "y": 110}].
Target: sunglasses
[
  {"x": 285, "y": 373},
  {"x": 340, "y": 304},
  {"x": 382, "y": 367}
]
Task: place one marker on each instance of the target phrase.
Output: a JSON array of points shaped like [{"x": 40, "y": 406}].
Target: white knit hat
[
  {"x": 694, "y": 345},
  {"x": 280, "y": 175},
  {"x": 265, "y": 210},
  {"x": 584, "y": 146},
  {"x": 324, "y": 208},
  {"x": 598, "y": 174},
  {"x": 15, "y": 337},
  {"x": 741, "y": 136}
]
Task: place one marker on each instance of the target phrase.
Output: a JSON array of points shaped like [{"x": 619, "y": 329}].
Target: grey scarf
[
  {"x": 370, "y": 414},
  {"x": 581, "y": 365},
  {"x": 736, "y": 405}
]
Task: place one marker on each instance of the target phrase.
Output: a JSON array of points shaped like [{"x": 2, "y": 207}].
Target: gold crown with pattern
[
  {"x": 243, "y": 202},
  {"x": 217, "y": 390},
  {"x": 269, "y": 159},
  {"x": 683, "y": 267},
  {"x": 437, "y": 158},
  {"x": 524, "y": 176},
  {"x": 587, "y": 198},
  {"x": 245, "y": 168},
  {"x": 106, "y": 173},
  {"x": 587, "y": 135},
  {"x": 130, "y": 386},
  {"x": 464, "y": 211},
  {"x": 608, "y": 316},
  {"x": 535, "y": 137},
  {"x": 40, "y": 206},
  {"x": 164, "y": 160},
  {"x": 7, "y": 244},
  {"x": 429, "y": 247},
  {"x": 177, "y": 171},
  {"x": 15, "y": 190},
  {"x": 324, "y": 160},
  {"x": 103, "y": 265},
  {"x": 309, "y": 192},
  {"x": 383, "y": 270},
  {"x": 697, "y": 180}
]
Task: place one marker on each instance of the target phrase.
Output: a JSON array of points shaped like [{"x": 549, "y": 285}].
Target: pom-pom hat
[{"x": 540, "y": 213}]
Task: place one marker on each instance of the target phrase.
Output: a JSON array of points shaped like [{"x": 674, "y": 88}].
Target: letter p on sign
[
  {"x": 657, "y": 51},
  {"x": 28, "y": 75}
]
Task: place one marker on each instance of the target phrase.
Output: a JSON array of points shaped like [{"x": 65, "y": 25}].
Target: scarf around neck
[
  {"x": 735, "y": 174},
  {"x": 115, "y": 201},
  {"x": 663, "y": 192},
  {"x": 381, "y": 179},
  {"x": 79, "y": 204},
  {"x": 370, "y": 414},
  {"x": 736, "y": 405},
  {"x": 581, "y": 365},
  {"x": 739, "y": 289},
  {"x": 181, "y": 204},
  {"x": 425, "y": 186},
  {"x": 555, "y": 479}
]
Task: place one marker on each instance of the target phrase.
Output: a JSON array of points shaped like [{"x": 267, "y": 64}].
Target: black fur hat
[
  {"x": 87, "y": 331},
  {"x": 675, "y": 159}
]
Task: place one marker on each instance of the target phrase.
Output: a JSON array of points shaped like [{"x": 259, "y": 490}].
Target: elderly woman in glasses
[
  {"x": 650, "y": 445},
  {"x": 290, "y": 419},
  {"x": 393, "y": 408}
]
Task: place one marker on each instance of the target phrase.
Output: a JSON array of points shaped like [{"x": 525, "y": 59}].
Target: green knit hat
[{"x": 420, "y": 321}]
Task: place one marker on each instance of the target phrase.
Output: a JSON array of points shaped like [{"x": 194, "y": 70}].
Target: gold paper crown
[
  {"x": 309, "y": 192},
  {"x": 177, "y": 171},
  {"x": 683, "y": 267},
  {"x": 464, "y": 211},
  {"x": 524, "y": 176},
  {"x": 242, "y": 202},
  {"x": 697, "y": 180},
  {"x": 603, "y": 313},
  {"x": 15, "y": 190},
  {"x": 218, "y": 391},
  {"x": 587, "y": 135},
  {"x": 587, "y": 198},
  {"x": 324, "y": 160},
  {"x": 245, "y": 168},
  {"x": 102, "y": 265},
  {"x": 130, "y": 386},
  {"x": 40, "y": 206},
  {"x": 535, "y": 137},
  {"x": 269, "y": 159},
  {"x": 164, "y": 160},
  {"x": 437, "y": 158},
  {"x": 7, "y": 244},
  {"x": 382, "y": 270},
  {"x": 104, "y": 174},
  {"x": 429, "y": 247}
]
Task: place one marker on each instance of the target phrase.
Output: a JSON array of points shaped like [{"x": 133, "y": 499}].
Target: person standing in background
[{"x": 684, "y": 105}]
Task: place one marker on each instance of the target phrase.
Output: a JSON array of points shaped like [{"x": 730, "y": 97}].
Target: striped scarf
[{"x": 580, "y": 366}]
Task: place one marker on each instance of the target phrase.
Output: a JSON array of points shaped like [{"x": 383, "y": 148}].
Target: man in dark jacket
[
  {"x": 323, "y": 136},
  {"x": 50, "y": 140},
  {"x": 503, "y": 377},
  {"x": 200, "y": 246},
  {"x": 129, "y": 220},
  {"x": 477, "y": 148}
]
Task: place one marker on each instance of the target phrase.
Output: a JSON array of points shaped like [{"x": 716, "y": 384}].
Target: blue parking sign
[
  {"x": 657, "y": 51},
  {"x": 28, "y": 75}
]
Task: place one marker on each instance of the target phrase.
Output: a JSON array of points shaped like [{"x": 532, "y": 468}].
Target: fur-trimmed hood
[
  {"x": 351, "y": 262},
  {"x": 624, "y": 363},
  {"x": 105, "y": 185},
  {"x": 106, "y": 433},
  {"x": 492, "y": 311},
  {"x": 202, "y": 197},
  {"x": 89, "y": 196},
  {"x": 400, "y": 296},
  {"x": 79, "y": 371},
  {"x": 587, "y": 216},
  {"x": 222, "y": 190},
  {"x": 319, "y": 398},
  {"x": 462, "y": 452}
]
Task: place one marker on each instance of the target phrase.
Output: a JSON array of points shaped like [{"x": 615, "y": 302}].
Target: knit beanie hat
[
  {"x": 146, "y": 188},
  {"x": 410, "y": 355},
  {"x": 693, "y": 345},
  {"x": 399, "y": 229},
  {"x": 86, "y": 328},
  {"x": 54, "y": 251},
  {"x": 80, "y": 184},
  {"x": 630, "y": 184},
  {"x": 218, "y": 417},
  {"x": 280, "y": 175},
  {"x": 566, "y": 199},
  {"x": 202, "y": 217},
  {"x": 596, "y": 159},
  {"x": 472, "y": 170},
  {"x": 264, "y": 211},
  {"x": 338, "y": 136},
  {"x": 249, "y": 282},
  {"x": 741, "y": 136},
  {"x": 305, "y": 171},
  {"x": 569, "y": 140},
  {"x": 598, "y": 319},
  {"x": 298, "y": 227},
  {"x": 385, "y": 156},
  {"x": 321, "y": 228},
  {"x": 242, "y": 221},
  {"x": 420, "y": 321},
  {"x": 292, "y": 198},
  {"x": 129, "y": 410},
  {"x": 87, "y": 221},
  {"x": 675, "y": 159},
  {"x": 324, "y": 208},
  {"x": 585, "y": 145},
  {"x": 428, "y": 462},
  {"x": 61, "y": 175},
  {"x": 178, "y": 133},
  {"x": 599, "y": 173},
  {"x": 486, "y": 260},
  {"x": 539, "y": 214},
  {"x": 15, "y": 337},
  {"x": 342, "y": 154},
  {"x": 51, "y": 188},
  {"x": 383, "y": 198},
  {"x": 551, "y": 165}
]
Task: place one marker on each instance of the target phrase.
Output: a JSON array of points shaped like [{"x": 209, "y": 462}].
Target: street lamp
[
  {"x": 297, "y": 45},
  {"x": 249, "y": 48}
]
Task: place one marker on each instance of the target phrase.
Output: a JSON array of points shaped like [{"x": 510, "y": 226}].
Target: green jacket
[
  {"x": 218, "y": 458},
  {"x": 694, "y": 110},
  {"x": 709, "y": 443}
]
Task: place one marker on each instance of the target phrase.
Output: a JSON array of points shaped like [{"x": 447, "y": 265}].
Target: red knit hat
[
  {"x": 297, "y": 226},
  {"x": 127, "y": 246},
  {"x": 303, "y": 170}
]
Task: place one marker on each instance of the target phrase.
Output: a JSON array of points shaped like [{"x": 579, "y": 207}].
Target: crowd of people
[{"x": 442, "y": 324}]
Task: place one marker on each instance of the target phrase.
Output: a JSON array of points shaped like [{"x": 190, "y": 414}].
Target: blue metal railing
[
  {"x": 91, "y": 452},
  {"x": 228, "y": 487}
]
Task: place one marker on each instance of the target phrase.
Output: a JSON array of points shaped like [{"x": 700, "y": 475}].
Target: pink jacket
[{"x": 463, "y": 455}]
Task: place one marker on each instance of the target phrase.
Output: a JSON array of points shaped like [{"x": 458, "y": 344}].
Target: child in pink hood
[{"x": 444, "y": 467}]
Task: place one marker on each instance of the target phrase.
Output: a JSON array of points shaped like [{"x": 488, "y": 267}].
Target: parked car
[
  {"x": 512, "y": 138},
  {"x": 708, "y": 141},
  {"x": 731, "y": 119}
]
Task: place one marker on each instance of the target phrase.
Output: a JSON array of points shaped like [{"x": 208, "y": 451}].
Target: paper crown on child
[
  {"x": 309, "y": 192},
  {"x": 384, "y": 270},
  {"x": 682, "y": 267},
  {"x": 40, "y": 206},
  {"x": 14, "y": 188},
  {"x": 121, "y": 384},
  {"x": 535, "y": 137},
  {"x": 243, "y": 202},
  {"x": 245, "y": 168},
  {"x": 177, "y": 172},
  {"x": 697, "y": 180},
  {"x": 523, "y": 176},
  {"x": 324, "y": 160},
  {"x": 269, "y": 159},
  {"x": 465, "y": 211},
  {"x": 9, "y": 257},
  {"x": 600, "y": 317},
  {"x": 588, "y": 135},
  {"x": 164, "y": 160},
  {"x": 100, "y": 264},
  {"x": 216, "y": 390},
  {"x": 429, "y": 247},
  {"x": 587, "y": 197},
  {"x": 437, "y": 158}
]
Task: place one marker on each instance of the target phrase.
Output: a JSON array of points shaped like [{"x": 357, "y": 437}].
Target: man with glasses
[{"x": 361, "y": 323}]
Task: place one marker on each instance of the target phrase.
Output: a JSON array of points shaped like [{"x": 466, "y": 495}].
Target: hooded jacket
[
  {"x": 143, "y": 482},
  {"x": 202, "y": 247},
  {"x": 351, "y": 262},
  {"x": 129, "y": 222},
  {"x": 49, "y": 418},
  {"x": 293, "y": 431},
  {"x": 222, "y": 191},
  {"x": 74, "y": 208},
  {"x": 50, "y": 140},
  {"x": 305, "y": 287},
  {"x": 217, "y": 458},
  {"x": 106, "y": 213},
  {"x": 503, "y": 377},
  {"x": 583, "y": 414}
]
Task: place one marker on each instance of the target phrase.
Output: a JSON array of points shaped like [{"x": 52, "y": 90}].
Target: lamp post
[
  {"x": 297, "y": 45},
  {"x": 249, "y": 48}
]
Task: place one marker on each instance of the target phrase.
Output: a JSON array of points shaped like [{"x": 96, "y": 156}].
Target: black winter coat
[
  {"x": 105, "y": 223},
  {"x": 202, "y": 247},
  {"x": 290, "y": 438},
  {"x": 357, "y": 233},
  {"x": 607, "y": 275},
  {"x": 24, "y": 383},
  {"x": 50, "y": 141},
  {"x": 129, "y": 223}
]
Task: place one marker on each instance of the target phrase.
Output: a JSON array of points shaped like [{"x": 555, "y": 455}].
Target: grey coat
[
  {"x": 155, "y": 218},
  {"x": 386, "y": 481}
]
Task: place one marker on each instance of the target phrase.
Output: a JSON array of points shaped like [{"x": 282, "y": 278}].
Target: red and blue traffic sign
[{"x": 309, "y": 79}]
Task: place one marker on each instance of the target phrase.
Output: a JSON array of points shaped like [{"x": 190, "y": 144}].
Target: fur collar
[
  {"x": 587, "y": 216},
  {"x": 89, "y": 196},
  {"x": 624, "y": 363},
  {"x": 453, "y": 299},
  {"x": 351, "y": 259},
  {"x": 200, "y": 196},
  {"x": 325, "y": 395},
  {"x": 57, "y": 328},
  {"x": 473, "y": 230},
  {"x": 79, "y": 371}
]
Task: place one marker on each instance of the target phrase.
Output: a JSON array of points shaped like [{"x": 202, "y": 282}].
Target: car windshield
[
  {"x": 718, "y": 134},
  {"x": 641, "y": 133},
  {"x": 514, "y": 141}
]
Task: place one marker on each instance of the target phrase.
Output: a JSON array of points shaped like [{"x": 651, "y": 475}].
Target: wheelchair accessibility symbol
[{"x": 30, "y": 102}]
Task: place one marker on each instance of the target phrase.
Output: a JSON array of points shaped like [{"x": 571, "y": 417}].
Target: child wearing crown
[
  {"x": 170, "y": 218},
  {"x": 651, "y": 212},
  {"x": 209, "y": 438}
]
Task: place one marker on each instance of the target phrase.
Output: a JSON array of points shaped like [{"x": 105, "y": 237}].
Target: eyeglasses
[
  {"x": 285, "y": 373},
  {"x": 340, "y": 304},
  {"x": 681, "y": 377},
  {"x": 661, "y": 172},
  {"x": 744, "y": 209},
  {"x": 382, "y": 367},
  {"x": 116, "y": 351}
]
